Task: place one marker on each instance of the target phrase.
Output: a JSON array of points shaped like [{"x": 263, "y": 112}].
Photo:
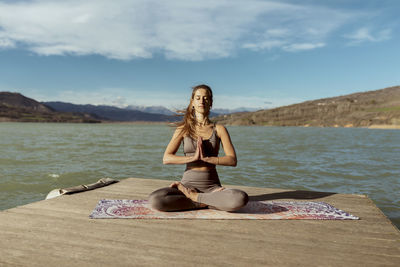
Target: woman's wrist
[
  {"x": 190, "y": 159},
  {"x": 212, "y": 160}
]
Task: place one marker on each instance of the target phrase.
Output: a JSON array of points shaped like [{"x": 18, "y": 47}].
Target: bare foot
[
  {"x": 188, "y": 192},
  {"x": 219, "y": 189}
]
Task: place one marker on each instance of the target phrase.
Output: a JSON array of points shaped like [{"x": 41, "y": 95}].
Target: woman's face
[{"x": 201, "y": 101}]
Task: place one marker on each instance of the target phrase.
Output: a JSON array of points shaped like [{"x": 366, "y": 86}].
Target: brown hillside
[
  {"x": 16, "y": 107},
  {"x": 16, "y": 100},
  {"x": 380, "y": 107}
]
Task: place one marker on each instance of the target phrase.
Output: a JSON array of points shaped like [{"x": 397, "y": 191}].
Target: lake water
[{"x": 38, "y": 157}]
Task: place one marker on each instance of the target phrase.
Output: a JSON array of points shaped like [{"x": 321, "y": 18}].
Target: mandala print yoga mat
[{"x": 258, "y": 210}]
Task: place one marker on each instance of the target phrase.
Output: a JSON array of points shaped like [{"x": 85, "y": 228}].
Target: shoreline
[{"x": 385, "y": 126}]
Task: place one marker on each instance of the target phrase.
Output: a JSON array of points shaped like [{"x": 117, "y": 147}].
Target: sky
[{"x": 253, "y": 53}]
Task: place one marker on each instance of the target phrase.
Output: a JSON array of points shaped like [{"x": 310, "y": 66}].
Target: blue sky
[{"x": 253, "y": 53}]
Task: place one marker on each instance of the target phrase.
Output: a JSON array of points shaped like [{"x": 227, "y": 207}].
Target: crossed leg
[
  {"x": 171, "y": 199},
  {"x": 225, "y": 199},
  {"x": 178, "y": 197}
]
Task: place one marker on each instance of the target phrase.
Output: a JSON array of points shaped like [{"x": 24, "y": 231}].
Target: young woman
[{"x": 200, "y": 186}]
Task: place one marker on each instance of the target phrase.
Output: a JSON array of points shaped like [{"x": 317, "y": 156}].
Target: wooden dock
[{"x": 58, "y": 232}]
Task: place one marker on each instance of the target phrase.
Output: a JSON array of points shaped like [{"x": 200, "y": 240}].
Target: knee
[
  {"x": 156, "y": 200},
  {"x": 239, "y": 199}
]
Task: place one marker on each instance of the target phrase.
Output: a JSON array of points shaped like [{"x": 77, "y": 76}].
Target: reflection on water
[{"x": 36, "y": 158}]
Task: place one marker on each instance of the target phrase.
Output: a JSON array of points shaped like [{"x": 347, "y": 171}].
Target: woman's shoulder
[
  {"x": 220, "y": 129},
  {"x": 179, "y": 131},
  {"x": 219, "y": 126}
]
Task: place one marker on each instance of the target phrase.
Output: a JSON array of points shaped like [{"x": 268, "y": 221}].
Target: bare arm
[
  {"x": 230, "y": 155},
  {"x": 170, "y": 156}
]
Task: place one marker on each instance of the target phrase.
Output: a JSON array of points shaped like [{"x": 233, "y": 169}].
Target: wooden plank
[{"x": 59, "y": 232}]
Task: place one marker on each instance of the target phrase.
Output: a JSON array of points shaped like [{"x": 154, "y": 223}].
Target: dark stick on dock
[{"x": 58, "y": 232}]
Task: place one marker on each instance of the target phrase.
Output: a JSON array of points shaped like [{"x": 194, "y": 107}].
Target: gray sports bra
[{"x": 210, "y": 146}]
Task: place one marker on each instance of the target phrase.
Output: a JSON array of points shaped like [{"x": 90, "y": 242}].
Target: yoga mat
[{"x": 254, "y": 210}]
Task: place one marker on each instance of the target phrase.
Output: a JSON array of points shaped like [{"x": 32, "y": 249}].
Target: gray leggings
[{"x": 204, "y": 182}]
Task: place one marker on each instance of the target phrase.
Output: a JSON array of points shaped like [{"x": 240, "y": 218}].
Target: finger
[
  {"x": 197, "y": 154},
  {"x": 201, "y": 151}
]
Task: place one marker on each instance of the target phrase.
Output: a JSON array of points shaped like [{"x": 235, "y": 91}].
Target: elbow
[
  {"x": 165, "y": 160},
  {"x": 168, "y": 159},
  {"x": 234, "y": 162}
]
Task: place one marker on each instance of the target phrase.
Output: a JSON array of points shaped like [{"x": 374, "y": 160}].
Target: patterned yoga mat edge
[{"x": 254, "y": 210}]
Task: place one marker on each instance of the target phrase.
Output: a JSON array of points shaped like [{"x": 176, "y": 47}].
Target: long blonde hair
[{"x": 188, "y": 122}]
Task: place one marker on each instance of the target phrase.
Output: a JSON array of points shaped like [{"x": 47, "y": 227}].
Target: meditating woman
[{"x": 200, "y": 186}]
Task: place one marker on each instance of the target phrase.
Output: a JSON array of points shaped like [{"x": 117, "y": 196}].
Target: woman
[{"x": 200, "y": 186}]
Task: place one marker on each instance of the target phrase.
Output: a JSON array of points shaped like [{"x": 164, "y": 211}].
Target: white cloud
[
  {"x": 119, "y": 101},
  {"x": 365, "y": 34},
  {"x": 297, "y": 28},
  {"x": 5, "y": 42},
  {"x": 185, "y": 30},
  {"x": 266, "y": 44},
  {"x": 302, "y": 47}
]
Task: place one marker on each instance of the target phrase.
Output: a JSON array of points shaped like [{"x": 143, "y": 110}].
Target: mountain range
[
  {"x": 16, "y": 107},
  {"x": 364, "y": 109},
  {"x": 110, "y": 113}
]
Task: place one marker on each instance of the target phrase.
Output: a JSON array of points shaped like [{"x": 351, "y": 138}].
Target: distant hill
[
  {"x": 110, "y": 113},
  {"x": 151, "y": 109},
  {"x": 16, "y": 107},
  {"x": 17, "y": 100},
  {"x": 366, "y": 109}
]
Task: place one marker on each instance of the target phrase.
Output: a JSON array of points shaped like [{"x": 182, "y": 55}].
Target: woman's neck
[{"x": 201, "y": 120}]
